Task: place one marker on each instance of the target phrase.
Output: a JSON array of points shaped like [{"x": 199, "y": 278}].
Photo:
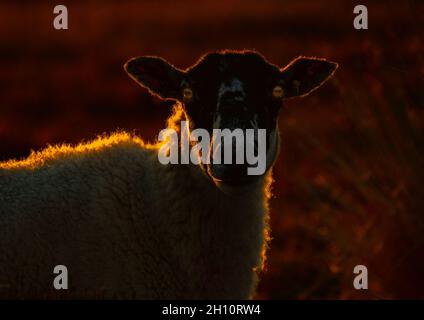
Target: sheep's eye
[
  {"x": 187, "y": 94},
  {"x": 278, "y": 92}
]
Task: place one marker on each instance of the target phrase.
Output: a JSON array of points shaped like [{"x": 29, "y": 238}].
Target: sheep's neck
[
  {"x": 221, "y": 243},
  {"x": 218, "y": 240}
]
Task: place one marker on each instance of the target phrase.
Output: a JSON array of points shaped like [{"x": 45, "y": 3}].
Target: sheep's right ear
[
  {"x": 157, "y": 75},
  {"x": 304, "y": 75}
]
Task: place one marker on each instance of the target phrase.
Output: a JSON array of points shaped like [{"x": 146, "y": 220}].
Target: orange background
[{"x": 348, "y": 186}]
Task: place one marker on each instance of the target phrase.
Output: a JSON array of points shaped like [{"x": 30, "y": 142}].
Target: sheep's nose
[
  {"x": 232, "y": 102},
  {"x": 232, "y": 97}
]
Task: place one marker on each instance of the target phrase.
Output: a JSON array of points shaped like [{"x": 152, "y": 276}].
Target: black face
[
  {"x": 232, "y": 90},
  {"x": 227, "y": 86},
  {"x": 233, "y": 98}
]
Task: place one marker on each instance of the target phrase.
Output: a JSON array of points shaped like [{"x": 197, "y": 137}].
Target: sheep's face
[{"x": 233, "y": 90}]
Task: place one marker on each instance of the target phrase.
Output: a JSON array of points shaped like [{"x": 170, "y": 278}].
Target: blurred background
[{"x": 348, "y": 184}]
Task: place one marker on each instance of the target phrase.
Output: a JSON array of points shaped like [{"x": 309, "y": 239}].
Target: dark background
[{"x": 348, "y": 184}]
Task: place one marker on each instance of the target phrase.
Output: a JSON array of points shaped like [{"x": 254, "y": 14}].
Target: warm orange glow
[
  {"x": 348, "y": 181},
  {"x": 63, "y": 151}
]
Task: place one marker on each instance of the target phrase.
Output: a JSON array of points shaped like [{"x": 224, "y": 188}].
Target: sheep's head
[{"x": 232, "y": 90}]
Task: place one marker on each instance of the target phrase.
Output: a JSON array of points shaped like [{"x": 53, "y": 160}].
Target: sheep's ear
[
  {"x": 303, "y": 75},
  {"x": 157, "y": 75}
]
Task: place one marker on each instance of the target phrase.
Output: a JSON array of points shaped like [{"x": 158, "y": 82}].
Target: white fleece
[{"x": 126, "y": 226}]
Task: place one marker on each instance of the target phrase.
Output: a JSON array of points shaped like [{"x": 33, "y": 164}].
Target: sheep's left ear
[
  {"x": 303, "y": 75},
  {"x": 157, "y": 75}
]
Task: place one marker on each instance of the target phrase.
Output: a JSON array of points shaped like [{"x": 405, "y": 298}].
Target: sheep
[{"x": 126, "y": 226}]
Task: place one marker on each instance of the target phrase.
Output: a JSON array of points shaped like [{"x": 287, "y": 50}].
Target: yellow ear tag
[
  {"x": 187, "y": 94},
  {"x": 278, "y": 92}
]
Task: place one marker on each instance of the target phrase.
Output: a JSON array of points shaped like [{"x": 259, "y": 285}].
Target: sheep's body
[{"x": 125, "y": 226}]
